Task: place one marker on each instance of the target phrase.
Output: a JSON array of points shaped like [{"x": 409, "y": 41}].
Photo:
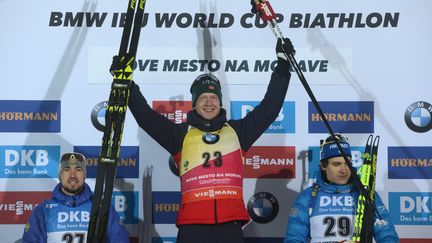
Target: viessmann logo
[
  {"x": 270, "y": 162},
  {"x": 343, "y": 117},
  {"x": 16, "y": 207},
  {"x": 176, "y": 111},
  {"x": 30, "y": 116}
]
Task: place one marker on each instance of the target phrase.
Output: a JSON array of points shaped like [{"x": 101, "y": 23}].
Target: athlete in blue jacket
[
  {"x": 325, "y": 212},
  {"x": 65, "y": 217}
]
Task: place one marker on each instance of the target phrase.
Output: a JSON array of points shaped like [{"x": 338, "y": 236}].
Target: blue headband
[{"x": 330, "y": 150}]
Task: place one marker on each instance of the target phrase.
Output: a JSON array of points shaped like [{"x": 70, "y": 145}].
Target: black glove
[
  {"x": 254, "y": 9},
  {"x": 281, "y": 49},
  {"x": 119, "y": 63}
]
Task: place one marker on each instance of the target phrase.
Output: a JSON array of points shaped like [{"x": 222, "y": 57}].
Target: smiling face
[
  {"x": 72, "y": 180},
  {"x": 337, "y": 170},
  {"x": 208, "y": 105}
]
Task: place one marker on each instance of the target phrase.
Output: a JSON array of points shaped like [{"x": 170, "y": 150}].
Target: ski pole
[{"x": 265, "y": 11}]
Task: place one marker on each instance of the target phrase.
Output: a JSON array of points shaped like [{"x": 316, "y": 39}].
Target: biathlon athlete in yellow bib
[{"x": 209, "y": 150}]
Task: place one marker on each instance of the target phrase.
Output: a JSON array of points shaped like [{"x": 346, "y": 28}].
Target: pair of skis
[
  {"x": 114, "y": 121},
  {"x": 366, "y": 185},
  {"x": 363, "y": 227}
]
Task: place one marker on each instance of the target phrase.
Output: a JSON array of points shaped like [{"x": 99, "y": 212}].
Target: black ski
[
  {"x": 114, "y": 121},
  {"x": 363, "y": 227}
]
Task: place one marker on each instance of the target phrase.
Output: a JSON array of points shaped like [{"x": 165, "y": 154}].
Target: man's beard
[{"x": 73, "y": 191}]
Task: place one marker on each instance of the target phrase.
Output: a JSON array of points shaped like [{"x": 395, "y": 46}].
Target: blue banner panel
[
  {"x": 30, "y": 116},
  {"x": 343, "y": 117}
]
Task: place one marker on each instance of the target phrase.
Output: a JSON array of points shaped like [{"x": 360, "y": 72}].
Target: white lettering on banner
[
  {"x": 177, "y": 117},
  {"x": 245, "y": 109},
  {"x": 408, "y": 204},
  {"x": 40, "y": 172},
  {"x": 357, "y": 159},
  {"x": 120, "y": 203},
  {"x": 73, "y": 216},
  {"x": 256, "y": 161},
  {"x": 336, "y": 201},
  {"x": 13, "y": 157},
  {"x": 19, "y": 207}
]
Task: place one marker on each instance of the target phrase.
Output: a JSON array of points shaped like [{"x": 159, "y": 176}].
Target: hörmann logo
[
  {"x": 284, "y": 123},
  {"x": 269, "y": 162},
  {"x": 410, "y": 208},
  {"x": 16, "y": 207},
  {"x": 29, "y": 116},
  {"x": 343, "y": 116},
  {"x": 176, "y": 111},
  {"x": 410, "y": 162},
  {"x": 29, "y": 161},
  {"x": 166, "y": 205},
  {"x": 418, "y": 116},
  {"x": 127, "y": 164}
]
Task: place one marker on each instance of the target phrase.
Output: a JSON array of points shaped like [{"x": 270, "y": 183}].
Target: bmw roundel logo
[
  {"x": 418, "y": 116},
  {"x": 210, "y": 138},
  {"x": 98, "y": 115},
  {"x": 263, "y": 207}
]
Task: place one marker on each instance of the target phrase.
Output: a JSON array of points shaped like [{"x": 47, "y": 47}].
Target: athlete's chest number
[
  {"x": 217, "y": 161},
  {"x": 69, "y": 237},
  {"x": 340, "y": 226}
]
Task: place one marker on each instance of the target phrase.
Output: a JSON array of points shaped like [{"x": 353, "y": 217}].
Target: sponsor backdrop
[{"x": 368, "y": 63}]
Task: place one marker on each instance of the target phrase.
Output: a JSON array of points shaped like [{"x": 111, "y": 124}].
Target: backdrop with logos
[{"x": 367, "y": 62}]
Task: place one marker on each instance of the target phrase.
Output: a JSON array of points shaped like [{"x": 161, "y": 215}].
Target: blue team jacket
[
  {"x": 65, "y": 218},
  {"x": 329, "y": 217}
]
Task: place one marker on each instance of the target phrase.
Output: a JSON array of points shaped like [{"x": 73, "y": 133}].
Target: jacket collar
[
  {"x": 72, "y": 200},
  {"x": 195, "y": 120}
]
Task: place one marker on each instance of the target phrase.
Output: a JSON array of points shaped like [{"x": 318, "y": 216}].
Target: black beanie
[{"x": 205, "y": 83}]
